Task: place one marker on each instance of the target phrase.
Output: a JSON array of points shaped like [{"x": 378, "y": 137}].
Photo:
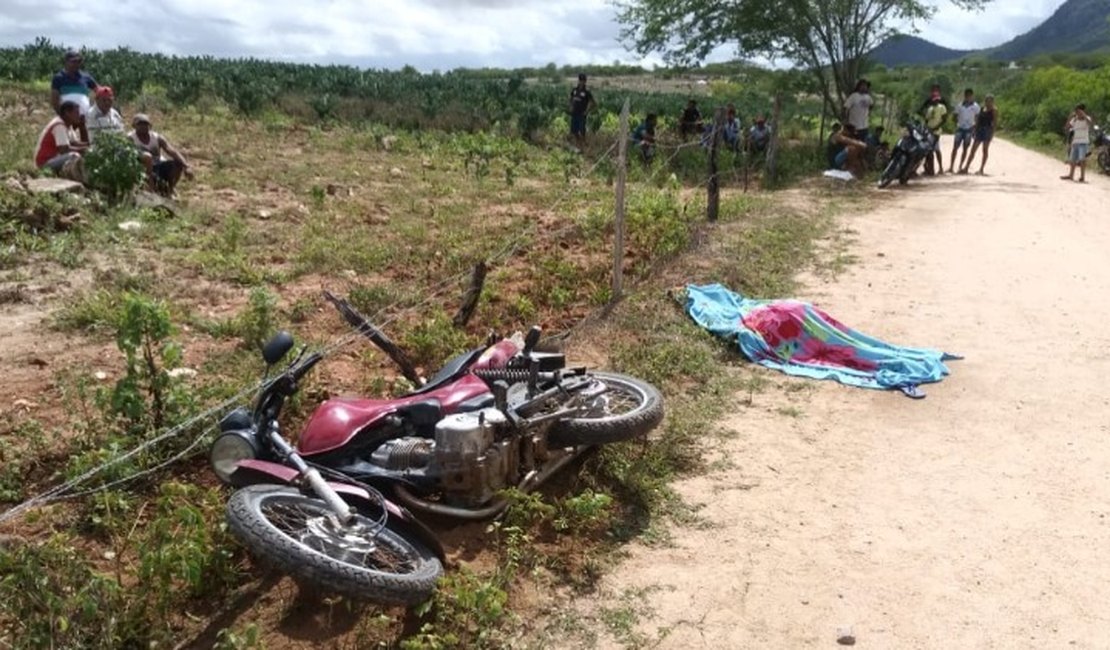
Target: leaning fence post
[
  {"x": 618, "y": 221},
  {"x": 714, "y": 186},
  {"x": 773, "y": 145}
]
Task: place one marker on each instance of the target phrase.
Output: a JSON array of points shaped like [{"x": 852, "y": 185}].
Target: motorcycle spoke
[{"x": 355, "y": 544}]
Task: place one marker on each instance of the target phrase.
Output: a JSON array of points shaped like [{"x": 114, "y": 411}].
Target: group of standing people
[
  {"x": 78, "y": 122},
  {"x": 975, "y": 127}
]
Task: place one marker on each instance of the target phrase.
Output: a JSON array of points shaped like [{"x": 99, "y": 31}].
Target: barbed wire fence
[{"x": 205, "y": 423}]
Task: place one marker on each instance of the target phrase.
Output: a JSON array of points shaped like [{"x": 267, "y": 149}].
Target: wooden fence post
[
  {"x": 714, "y": 186},
  {"x": 618, "y": 221},
  {"x": 773, "y": 145}
]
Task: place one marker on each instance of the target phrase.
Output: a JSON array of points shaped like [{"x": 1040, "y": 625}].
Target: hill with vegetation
[{"x": 1077, "y": 26}]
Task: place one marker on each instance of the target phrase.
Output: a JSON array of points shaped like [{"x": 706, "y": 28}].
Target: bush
[{"x": 113, "y": 167}]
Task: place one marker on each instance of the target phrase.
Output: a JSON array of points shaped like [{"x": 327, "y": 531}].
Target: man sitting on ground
[
  {"x": 759, "y": 136},
  {"x": 644, "y": 136},
  {"x": 852, "y": 149},
  {"x": 103, "y": 117},
  {"x": 690, "y": 123},
  {"x": 162, "y": 175},
  {"x": 59, "y": 147}
]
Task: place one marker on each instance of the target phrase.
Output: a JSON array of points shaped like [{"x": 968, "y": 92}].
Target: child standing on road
[
  {"x": 1079, "y": 123},
  {"x": 985, "y": 125}
]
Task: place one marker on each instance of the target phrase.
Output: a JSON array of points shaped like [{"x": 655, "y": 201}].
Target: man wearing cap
[
  {"x": 59, "y": 148},
  {"x": 73, "y": 84},
  {"x": 103, "y": 117},
  {"x": 759, "y": 136},
  {"x": 581, "y": 103},
  {"x": 162, "y": 175}
]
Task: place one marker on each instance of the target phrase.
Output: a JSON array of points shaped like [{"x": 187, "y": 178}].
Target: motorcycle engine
[{"x": 473, "y": 463}]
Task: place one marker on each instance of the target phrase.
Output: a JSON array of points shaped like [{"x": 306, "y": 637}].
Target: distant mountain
[
  {"x": 1077, "y": 26},
  {"x": 903, "y": 49}
]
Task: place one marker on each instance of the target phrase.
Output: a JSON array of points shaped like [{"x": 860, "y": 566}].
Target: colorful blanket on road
[{"x": 800, "y": 339}]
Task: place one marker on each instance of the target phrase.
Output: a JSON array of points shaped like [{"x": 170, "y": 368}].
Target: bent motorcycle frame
[{"x": 263, "y": 472}]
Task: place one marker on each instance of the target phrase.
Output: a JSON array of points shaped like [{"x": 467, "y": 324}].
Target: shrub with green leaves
[{"x": 113, "y": 167}]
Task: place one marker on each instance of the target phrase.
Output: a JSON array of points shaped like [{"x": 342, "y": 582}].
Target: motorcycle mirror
[
  {"x": 532, "y": 339},
  {"x": 277, "y": 347}
]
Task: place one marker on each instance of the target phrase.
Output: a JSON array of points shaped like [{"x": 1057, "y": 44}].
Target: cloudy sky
[{"x": 428, "y": 34}]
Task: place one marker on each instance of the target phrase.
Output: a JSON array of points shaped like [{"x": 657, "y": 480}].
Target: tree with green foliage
[{"x": 828, "y": 38}]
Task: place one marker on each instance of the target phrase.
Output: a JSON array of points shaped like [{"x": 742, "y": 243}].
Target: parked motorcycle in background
[
  {"x": 916, "y": 143},
  {"x": 1100, "y": 147}
]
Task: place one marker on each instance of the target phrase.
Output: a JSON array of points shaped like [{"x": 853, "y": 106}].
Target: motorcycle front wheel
[
  {"x": 628, "y": 409},
  {"x": 298, "y": 535},
  {"x": 892, "y": 171}
]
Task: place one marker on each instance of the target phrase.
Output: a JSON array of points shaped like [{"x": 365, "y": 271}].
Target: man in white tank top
[{"x": 162, "y": 175}]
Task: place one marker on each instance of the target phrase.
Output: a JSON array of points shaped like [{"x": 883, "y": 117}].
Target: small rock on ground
[
  {"x": 844, "y": 635},
  {"x": 53, "y": 186}
]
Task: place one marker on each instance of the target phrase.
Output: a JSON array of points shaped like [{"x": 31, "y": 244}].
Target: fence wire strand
[{"x": 66, "y": 491}]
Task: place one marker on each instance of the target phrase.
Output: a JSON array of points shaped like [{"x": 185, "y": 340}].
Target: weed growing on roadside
[
  {"x": 467, "y": 611},
  {"x": 112, "y": 167}
]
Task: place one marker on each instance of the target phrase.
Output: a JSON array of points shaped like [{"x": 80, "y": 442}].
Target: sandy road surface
[{"x": 977, "y": 518}]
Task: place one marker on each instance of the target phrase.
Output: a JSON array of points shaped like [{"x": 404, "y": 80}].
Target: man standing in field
[
  {"x": 103, "y": 117},
  {"x": 690, "y": 123},
  {"x": 1080, "y": 125},
  {"x": 857, "y": 109},
  {"x": 759, "y": 136},
  {"x": 73, "y": 84},
  {"x": 966, "y": 115},
  {"x": 581, "y": 103},
  {"x": 59, "y": 149}
]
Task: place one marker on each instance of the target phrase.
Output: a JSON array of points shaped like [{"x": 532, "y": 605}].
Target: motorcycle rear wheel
[
  {"x": 298, "y": 535},
  {"x": 1104, "y": 161},
  {"x": 629, "y": 409}
]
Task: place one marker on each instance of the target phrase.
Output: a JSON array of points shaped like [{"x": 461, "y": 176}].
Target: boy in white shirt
[
  {"x": 1080, "y": 124},
  {"x": 857, "y": 109},
  {"x": 967, "y": 113}
]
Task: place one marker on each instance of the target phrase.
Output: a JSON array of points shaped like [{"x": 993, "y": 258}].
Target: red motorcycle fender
[{"x": 255, "y": 472}]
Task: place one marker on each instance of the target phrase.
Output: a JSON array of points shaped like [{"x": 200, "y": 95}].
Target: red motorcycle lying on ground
[{"x": 500, "y": 416}]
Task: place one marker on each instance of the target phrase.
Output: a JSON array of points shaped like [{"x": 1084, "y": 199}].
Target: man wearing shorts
[
  {"x": 162, "y": 173},
  {"x": 967, "y": 113},
  {"x": 581, "y": 102},
  {"x": 59, "y": 148},
  {"x": 1080, "y": 125}
]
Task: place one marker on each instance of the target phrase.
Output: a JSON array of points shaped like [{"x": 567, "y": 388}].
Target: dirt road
[{"x": 976, "y": 518}]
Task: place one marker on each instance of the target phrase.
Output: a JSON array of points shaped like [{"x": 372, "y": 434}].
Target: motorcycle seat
[{"x": 452, "y": 370}]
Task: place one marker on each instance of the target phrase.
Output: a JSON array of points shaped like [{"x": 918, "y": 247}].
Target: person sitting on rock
[
  {"x": 59, "y": 147},
  {"x": 162, "y": 174},
  {"x": 103, "y": 117}
]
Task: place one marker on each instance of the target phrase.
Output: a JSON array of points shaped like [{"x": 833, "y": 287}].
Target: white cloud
[{"x": 429, "y": 34}]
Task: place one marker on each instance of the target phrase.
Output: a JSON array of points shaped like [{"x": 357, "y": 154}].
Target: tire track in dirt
[{"x": 977, "y": 518}]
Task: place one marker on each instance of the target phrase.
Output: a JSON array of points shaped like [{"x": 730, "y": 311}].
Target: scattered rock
[
  {"x": 100, "y": 375},
  {"x": 14, "y": 185},
  {"x": 54, "y": 186},
  {"x": 109, "y": 555},
  {"x": 36, "y": 361},
  {"x": 396, "y": 172},
  {"x": 388, "y": 141},
  {"x": 130, "y": 225},
  {"x": 427, "y": 164},
  {"x": 25, "y": 404},
  {"x": 157, "y": 202},
  {"x": 265, "y": 214},
  {"x": 350, "y": 273},
  {"x": 177, "y": 373},
  {"x": 378, "y": 219},
  {"x": 844, "y": 635},
  {"x": 332, "y": 189}
]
